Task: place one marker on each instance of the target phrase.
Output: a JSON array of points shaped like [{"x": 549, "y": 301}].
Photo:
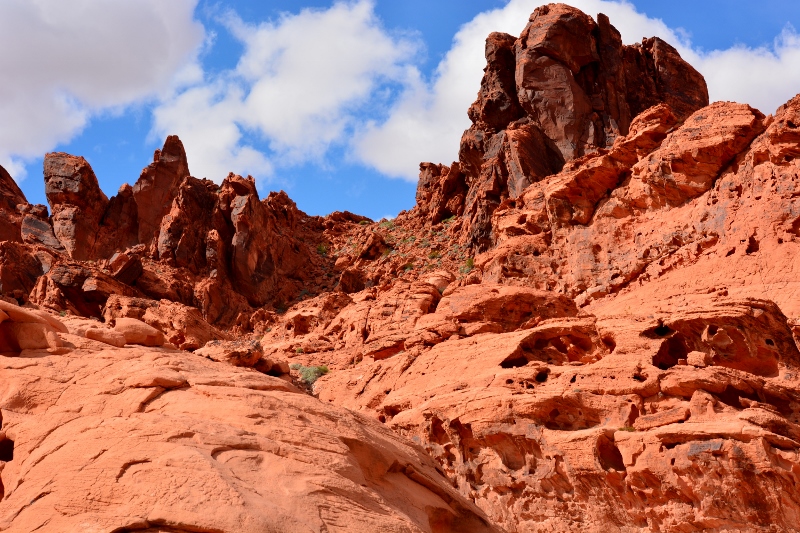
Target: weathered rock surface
[
  {"x": 10, "y": 197},
  {"x": 77, "y": 202},
  {"x": 152, "y": 439},
  {"x": 157, "y": 187},
  {"x": 182, "y": 325},
  {"x": 590, "y": 322},
  {"x": 28, "y": 329},
  {"x": 567, "y": 87}
]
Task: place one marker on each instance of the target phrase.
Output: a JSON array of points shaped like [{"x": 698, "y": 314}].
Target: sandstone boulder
[
  {"x": 28, "y": 329},
  {"x": 19, "y": 270},
  {"x": 107, "y": 336},
  {"x": 509, "y": 307},
  {"x": 236, "y": 353},
  {"x": 182, "y": 325},
  {"x": 138, "y": 332}
]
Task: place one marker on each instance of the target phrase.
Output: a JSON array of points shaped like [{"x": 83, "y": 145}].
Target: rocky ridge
[{"x": 589, "y": 322}]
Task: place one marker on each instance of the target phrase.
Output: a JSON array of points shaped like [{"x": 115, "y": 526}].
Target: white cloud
[
  {"x": 63, "y": 62},
  {"x": 763, "y": 77},
  {"x": 300, "y": 86},
  {"x": 428, "y": 119}
]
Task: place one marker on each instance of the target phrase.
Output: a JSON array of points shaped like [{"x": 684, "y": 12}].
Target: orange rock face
[
  {"x": 589, "y": 322},
  {"x": 10, "y": 197},
  {"x": 157, "y": 439}
]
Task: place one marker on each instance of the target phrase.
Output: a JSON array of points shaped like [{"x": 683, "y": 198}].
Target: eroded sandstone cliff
[{"x": 589, "y": 322}]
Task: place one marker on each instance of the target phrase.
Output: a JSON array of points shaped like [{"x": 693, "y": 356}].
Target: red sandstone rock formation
[
  {"x": 10, "y": 197},
  {"x": 170, "y": 236},
  {"x": 567, "y": 87},
  {"x": 590, "y": 322},
  {"x": 138, "y": 438}
]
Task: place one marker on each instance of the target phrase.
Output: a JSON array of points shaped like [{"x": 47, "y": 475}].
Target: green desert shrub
[{"x": 309, "y": 374}]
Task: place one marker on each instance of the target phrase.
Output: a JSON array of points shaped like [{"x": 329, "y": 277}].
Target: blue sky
[{"x": 336, "y": 103}]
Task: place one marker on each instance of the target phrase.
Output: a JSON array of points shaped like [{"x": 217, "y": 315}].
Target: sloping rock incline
[{"x": 153, "y": 439}]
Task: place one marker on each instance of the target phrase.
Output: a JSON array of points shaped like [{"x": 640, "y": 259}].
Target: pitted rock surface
[{"x": 589, "y": 322}]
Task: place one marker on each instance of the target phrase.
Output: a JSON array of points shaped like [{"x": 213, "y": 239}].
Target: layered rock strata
[{"x": 590, "y": 322}]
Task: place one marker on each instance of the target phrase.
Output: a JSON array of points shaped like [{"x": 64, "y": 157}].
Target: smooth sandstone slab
[{"x": 137, "y": 332}]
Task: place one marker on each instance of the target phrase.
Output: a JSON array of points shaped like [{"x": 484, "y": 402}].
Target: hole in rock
[
  {"x": 770, "y": 342},
  {"x": 541, "y": 377},
  {"x": 660, "y": 331},
  {"x": 7, "y": 450},
  {"x": 572, "y": 380},
  {"x": 382, "y": 419},
  {"x": 438, "y": 433},
  {"x": 639, "y": 377},
  {"x": 514, "y": 361},
  {"x": 558, "y": 344},
  {"x": 790, "y": 124},
  {"x": 274, "y": 372},
  {"x": 634, "y": 414},
  {"x": 509, "y": 381},
  {"x": 610, "y": 343},
  {"x": 712, "y": 330},
  {"x": 672, "y": 462},
  {"x": 730, "y": 252},
  {"x": 536, "y": 253},
  {"x": 392, "y": 410},
  {"x": 609, "y": 455},
  {"x": 670, "y": 352},
  {"x": 732, "y": 396},
  {"x": 752, "y": 245}
]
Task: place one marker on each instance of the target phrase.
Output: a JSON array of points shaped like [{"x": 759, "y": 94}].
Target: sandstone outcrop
[
  {"x": 10, "y": 197},
  {"x": 170, "y": 236},
  {"x": 567, "y": 87},
  {"x": 157, "y": 187},
  {"x": 164, "y": 440},
  {"x": 589, "y": 322},
  {"x": 28, "y": 329},
  {"x": 77, "y": 202}
]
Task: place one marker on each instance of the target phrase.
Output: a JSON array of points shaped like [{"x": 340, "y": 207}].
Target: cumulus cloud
[
  {"x": 764, "y": 77},
  {"x": 302, "y": 83},
  {"x": 428, "y": 119},
  {"x": 63, "y": 62}
]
